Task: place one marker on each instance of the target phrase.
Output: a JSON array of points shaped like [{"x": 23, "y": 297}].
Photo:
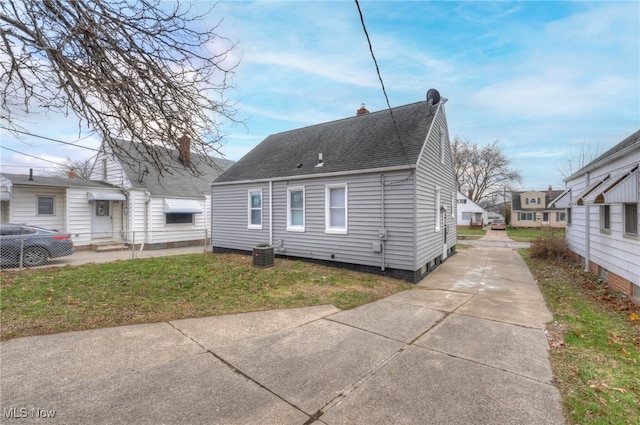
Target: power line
[
  {"x": 382, "y": 83},
  {"x": 49, "y": 138},
  {"x": 32, "y": 156}
]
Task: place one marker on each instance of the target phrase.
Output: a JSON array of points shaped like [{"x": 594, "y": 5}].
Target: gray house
[{"x": 375, "y": 192}]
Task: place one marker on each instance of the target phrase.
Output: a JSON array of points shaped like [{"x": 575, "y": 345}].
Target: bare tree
[
  {"x": 575, "y": 160},
  {"x": 482, "y": 172},
  {"x": 81, "y": 168},
  {"x": 143, "y": 70}
]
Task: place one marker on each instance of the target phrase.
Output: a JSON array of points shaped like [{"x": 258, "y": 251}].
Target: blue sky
[{"x": 548, "y": 79}]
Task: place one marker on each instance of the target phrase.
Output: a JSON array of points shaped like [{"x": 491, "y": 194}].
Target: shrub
[{"x": 549, "y": 245}]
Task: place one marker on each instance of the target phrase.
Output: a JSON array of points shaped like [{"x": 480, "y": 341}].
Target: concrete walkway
[{"x": 465, "y": 346}]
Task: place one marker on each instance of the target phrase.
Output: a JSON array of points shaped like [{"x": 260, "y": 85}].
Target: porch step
[{"x": 109, "y": 246}]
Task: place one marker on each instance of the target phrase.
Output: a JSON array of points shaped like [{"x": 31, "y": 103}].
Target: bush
[{"x": 550, "y": 245}]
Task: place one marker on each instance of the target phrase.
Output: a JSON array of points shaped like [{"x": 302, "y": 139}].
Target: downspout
[
  {"x": 587, "y": 229},
  {"x": 271, "y": 212},
  {"x": 146, "y": 217},
  {"x": 382, "y": 220}
]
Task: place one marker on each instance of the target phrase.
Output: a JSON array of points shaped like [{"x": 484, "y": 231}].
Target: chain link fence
[{"x": 24, "y": 246}]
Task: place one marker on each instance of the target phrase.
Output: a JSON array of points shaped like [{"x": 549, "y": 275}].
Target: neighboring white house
[
  {"x": 161, "y": 211},
  {"x": 89, "y": 210},
  {"x": 375, "y": 191},
  {"x": 469, "y": 213},
  {"x": 601, "y": 202}
]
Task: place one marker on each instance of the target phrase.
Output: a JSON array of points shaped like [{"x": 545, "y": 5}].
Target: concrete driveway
[{"x": 465, "y": 346}]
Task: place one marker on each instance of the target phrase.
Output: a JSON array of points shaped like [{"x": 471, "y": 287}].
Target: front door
[{"x": 102, "y": 224}]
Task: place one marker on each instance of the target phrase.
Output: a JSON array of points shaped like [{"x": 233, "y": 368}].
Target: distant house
[
  {"x": 469, "y": 213},
  {"x": 533, "y": 209},
  {"x": 492, "y": 216},
  {"x": 64, "y": 204},
  {"x": 601, "y": 201},
  {"x": 160, "y": 211},
  {"x": 375, "y": 191}
]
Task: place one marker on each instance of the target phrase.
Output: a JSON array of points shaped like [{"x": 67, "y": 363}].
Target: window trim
[
  {"x": 327, "y": 213},
  {"x": 605, "y": 218},
  {"x": 166, "y": 216},
  {"x": 442, "y": 145},
  {"x": 53, "y": 205},
  {"x": 291, "y": 227},
  {"x": 626, "y": 223},
  {"x": 437, "y": 209},
  {"x": 250, "y": 208}
]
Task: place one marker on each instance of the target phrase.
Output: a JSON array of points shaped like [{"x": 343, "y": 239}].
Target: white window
[
  {"x": 533, "y": 200},
  {"x": 527, "y": 216},
  {"x": 46, "y": 205},
  {"x": 255, "y": 209},
  {"x": 437, "y": 211},
  {"x": 560, "y": 216},
  {"x": 178, "y": 218},
  {"x": 605, "y": 218},
  {"x": 336, "y": 209},
  {"x": 462, "y": 201},
  {"x": 295, "y": 209},
  {"x": 453, "y": 207},
  {"x": 443, "y": 144},
  {"x": 631, "y": 219}
]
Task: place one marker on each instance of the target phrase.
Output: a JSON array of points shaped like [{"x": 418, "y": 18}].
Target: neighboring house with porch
[
  {"x": 601, "y": 200},
  {"x": 375, "y": 192},
  {"x": 532, "y": 209},
  {"x": 160, "y": 211},
  {"x": 469, "y": 213},
  {"x": 70, "y": 205}
]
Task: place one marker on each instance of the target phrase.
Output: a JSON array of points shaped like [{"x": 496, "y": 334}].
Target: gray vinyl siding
[
  {"x": 364, "y": 206},
  {"x": 229, "y": 220},
  {"x": 432, "y": 173}
]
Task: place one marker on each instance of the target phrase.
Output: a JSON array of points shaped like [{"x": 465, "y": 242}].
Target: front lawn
[
  {"x": 43, "y": 301},
  {"x": 528, "y": 234},
  {"x": 467, "y": 233}
]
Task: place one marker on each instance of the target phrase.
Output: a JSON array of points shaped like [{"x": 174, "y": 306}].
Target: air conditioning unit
[{"x": 263, "y": 256}]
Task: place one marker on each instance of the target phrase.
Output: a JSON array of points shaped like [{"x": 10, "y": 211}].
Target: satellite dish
[{"x": 433, "y": 97}]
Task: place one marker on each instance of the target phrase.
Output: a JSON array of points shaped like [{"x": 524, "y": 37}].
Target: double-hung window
[
  {"x": 295, "y": 209},
  {"x": 336, "y": 209},
  {"x": 46, "y": 205},
  {"x": 605, "y": 218},
  {"x": 255, "y": 209},
  {"x": 631, "y": 219},
  {"x": 437, "y": 209}
]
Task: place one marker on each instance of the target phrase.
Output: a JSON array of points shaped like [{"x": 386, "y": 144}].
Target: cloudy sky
[{"x": 549, "y": 79}]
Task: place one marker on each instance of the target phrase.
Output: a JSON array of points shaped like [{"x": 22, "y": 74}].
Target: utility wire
[
  {"x": 49, "y": 138},
  {"x": 381, "y": 83},
  {"x": 32, "y": 156}
]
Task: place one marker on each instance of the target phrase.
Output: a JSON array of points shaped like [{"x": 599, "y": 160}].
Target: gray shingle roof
[
  {"x": 23, "y": 179},
  {"x": 356, "y": 143},
  {"x": 182, "y": 182}
]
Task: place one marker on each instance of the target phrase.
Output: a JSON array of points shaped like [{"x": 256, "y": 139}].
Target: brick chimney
[
  {"x": 72, "y": 174},
  {"x": 362, "y": 110},
  {"x": 184, "y": 150}
]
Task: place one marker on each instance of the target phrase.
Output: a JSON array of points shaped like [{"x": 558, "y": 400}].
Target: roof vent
[
  {"x": 320, "y": 161},
  {"x": 433, "y": 96}
]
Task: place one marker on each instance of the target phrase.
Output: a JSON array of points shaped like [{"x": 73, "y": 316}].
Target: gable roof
[
  {"x": 182, "y": 182},
  {"x": 23, "y": 179},
  {"x": 629, "y": 144},
  {"x": 549, "y": 196},
  {"x": 361, "y": 142}
]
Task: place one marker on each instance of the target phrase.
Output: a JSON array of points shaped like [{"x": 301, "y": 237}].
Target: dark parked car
[{"x": 37, "y": 245}]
